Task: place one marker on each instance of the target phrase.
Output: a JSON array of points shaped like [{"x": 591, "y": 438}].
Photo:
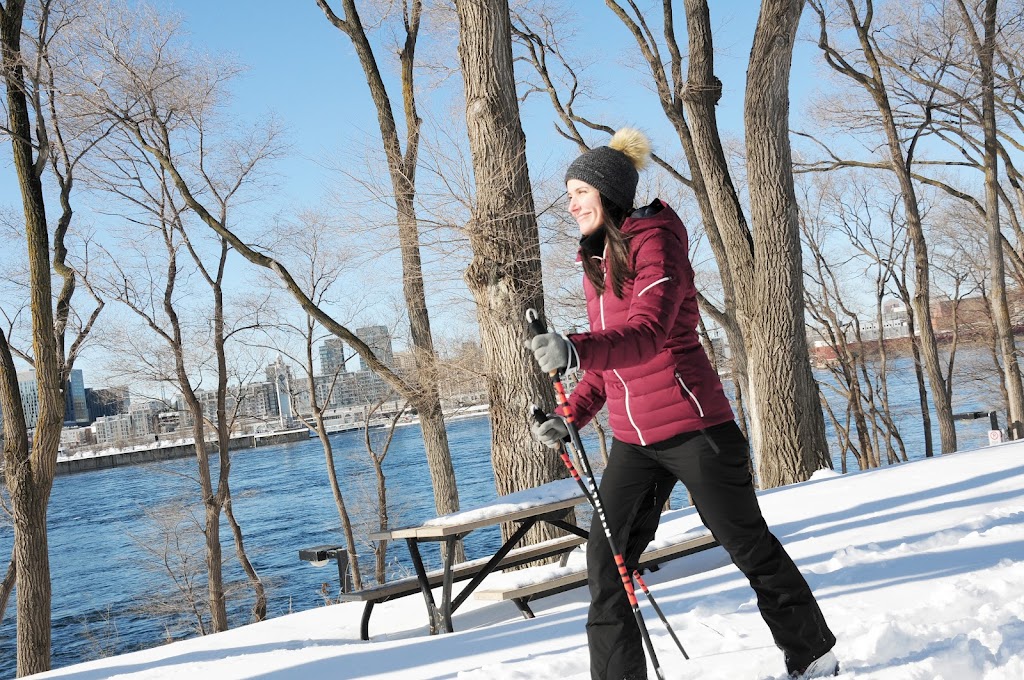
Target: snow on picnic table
[
  {"x": 919, "y": 569},
  {"x": 552, "y": 492}
]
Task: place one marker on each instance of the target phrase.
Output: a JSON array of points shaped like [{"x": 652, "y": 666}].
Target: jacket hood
[{"x": 656, "y": 215}]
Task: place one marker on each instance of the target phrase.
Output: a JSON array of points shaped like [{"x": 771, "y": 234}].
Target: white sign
[{"x": 995, "y": 437}]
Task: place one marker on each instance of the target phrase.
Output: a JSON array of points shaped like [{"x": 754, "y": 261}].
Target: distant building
[
  {"x": 332, "y": 357},
  {"x": 279, "y": 375},
  {"x": 378, "y": 339},
  {"x": 112, "y": 429},
  {"x": 76, "y": 407},
  {"x": 405, "y": 363},
  {"x": 29, "y": 397},
  {"x": 107, "y": 401},
  {"x": 895, "y": 323}
]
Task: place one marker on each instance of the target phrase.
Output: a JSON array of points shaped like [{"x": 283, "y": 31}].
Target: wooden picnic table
[{"x": 545, "y": 503}]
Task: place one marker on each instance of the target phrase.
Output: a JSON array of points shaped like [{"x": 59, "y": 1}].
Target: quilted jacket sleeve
[
  {"x": 663, "y": 281},
  {"x": 587, "y": 398}
]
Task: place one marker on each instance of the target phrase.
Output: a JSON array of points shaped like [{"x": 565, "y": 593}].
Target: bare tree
[
  {"x": 402, "y": 170},
  {"x": 315, "y": 254},
  {"x": 128, "y": 173},
  {"x": 505, "y": 274},
  {"x": 35, "y": 115},
  {"x": 901, "y": 156},
  {"x": 792, "y": 434},
  {"x": 985, "y": 47},
  {"x": 173, "y": 547}
]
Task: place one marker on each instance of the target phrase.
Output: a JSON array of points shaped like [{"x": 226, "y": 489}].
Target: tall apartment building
[
  {"x": 76, "y": 406},
  {"x": 107, "y": 401},
  {"x": 377, "y": 339},
  {"x": 332, "y": 356},
  {"x": 29, "y": 397}
]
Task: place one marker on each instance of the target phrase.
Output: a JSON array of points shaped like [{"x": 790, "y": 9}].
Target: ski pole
[
  {"x": 539, "y": 417},
  {"x": 533, "y": 319},
  {"x": 661, "y": 614}
]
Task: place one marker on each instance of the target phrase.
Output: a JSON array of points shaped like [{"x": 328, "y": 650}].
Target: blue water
[{"x": 103, "y": 580}]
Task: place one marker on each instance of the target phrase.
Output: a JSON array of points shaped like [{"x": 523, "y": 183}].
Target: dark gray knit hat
[{"x": 612, "y": 169}]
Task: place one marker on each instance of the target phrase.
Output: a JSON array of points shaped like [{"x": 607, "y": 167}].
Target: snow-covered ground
[{"x": 919, "y": 569}]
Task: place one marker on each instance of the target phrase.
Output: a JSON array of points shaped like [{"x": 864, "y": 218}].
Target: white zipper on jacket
[
  {"x": 696, "y": 402},
  {"x": 625, "y": 388}
]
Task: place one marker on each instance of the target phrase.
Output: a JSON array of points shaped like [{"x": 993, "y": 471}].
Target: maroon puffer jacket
[{"x": 643, "y": 355}]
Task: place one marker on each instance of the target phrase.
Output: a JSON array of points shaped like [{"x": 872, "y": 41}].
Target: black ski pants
[{"x": 714, "y": 467}]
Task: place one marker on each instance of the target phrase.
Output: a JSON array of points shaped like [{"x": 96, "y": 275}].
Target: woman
[{"x": 669, "y": 414}]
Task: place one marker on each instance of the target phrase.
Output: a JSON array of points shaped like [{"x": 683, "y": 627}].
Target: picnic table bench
[
  {"x": 548, "y": 503},
  {"x": 460, "y": 572},
  {"x": 532, "y": 584}
]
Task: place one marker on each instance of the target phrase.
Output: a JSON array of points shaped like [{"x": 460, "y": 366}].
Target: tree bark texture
[
  {"x": 985, "y": 48},
  {"x": 504, "y": 275},
  {"x": 30, "y": 478},
  {"x": 792, "y": 440},
  {"x": 786, "y": 424}
]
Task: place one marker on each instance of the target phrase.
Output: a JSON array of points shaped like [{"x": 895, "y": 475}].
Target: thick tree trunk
[
  {"x": 33, "y": 602},
  {"x": 786, "y": 425},
  {"x": 792, "y": 431},
  {"x": 985, "y": 46},
  {"x": 505, "y": 274}
]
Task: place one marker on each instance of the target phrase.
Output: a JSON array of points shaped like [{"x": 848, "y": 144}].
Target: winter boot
[{"x": 825, "y": 666}]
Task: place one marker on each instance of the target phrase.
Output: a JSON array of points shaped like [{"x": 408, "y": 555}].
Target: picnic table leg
[
  {"x": 446, "y": 588},
  {"x": 364, "y": 623},
  {"x": 521, "y": 604},
  {"x": 421, "y": 575},
  {"x": 516, "y": 536}
]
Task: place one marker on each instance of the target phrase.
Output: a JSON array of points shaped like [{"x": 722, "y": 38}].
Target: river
[{"x": 109, "y": 590}]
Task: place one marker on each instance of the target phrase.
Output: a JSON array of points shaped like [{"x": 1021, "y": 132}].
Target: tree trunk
[
  {"x": 786, "y": 424},
  {"x": 505, "y": 274},
  {"x": 985, "y": 47},
  {"x": 30, "y": 472},
  {"x": 211, "y": 531},
  {"x": 339, "y": 499},
  {"x": 402, "y": 169},
  {"x": 223, "y": 496},
  {"x": 792, "y": 441},
  {"x": 259, "y": 606}
]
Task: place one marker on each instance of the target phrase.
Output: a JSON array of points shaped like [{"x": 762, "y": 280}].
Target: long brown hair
[{"x": 616, "y": 252}]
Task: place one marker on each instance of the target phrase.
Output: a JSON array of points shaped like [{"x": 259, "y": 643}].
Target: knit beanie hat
[{"x": 612, "y": 169}]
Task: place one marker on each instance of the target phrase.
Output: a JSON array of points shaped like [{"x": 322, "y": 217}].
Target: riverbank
[{"x": 160, "y": 451}]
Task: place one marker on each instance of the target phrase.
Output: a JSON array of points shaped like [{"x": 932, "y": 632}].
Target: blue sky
[{"x": 304, "y": 72}]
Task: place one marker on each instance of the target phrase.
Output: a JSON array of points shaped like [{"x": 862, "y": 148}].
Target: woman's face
[{"x": 585, "y": 206}]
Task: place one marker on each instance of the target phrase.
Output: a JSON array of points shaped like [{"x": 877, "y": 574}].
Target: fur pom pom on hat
[{"x": 613, "y": 169}]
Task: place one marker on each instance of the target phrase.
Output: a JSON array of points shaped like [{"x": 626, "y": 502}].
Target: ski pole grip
[
  {"x": 538, "y": 415},
  {"x": 533, "y": 319}
]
